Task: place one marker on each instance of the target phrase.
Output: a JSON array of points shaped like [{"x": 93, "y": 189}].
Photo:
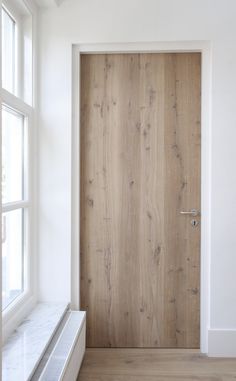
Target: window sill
[
  {"x": 13, "y": 315},
  {"x": 27, "y": 345}
]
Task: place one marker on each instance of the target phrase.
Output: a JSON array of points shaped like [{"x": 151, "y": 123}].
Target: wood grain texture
[
  {"x": 154, "y": 365},
  {"x": 140, "y": 166}
]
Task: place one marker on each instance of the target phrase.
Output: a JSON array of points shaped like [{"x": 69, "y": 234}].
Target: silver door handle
[{"x": 192, "y": 212}]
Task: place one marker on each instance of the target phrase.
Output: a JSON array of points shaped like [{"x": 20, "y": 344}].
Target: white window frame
[{"x": 21, "y": 306}]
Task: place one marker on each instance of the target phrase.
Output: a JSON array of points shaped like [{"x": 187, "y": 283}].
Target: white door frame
[{"x": 204, "y": 48}]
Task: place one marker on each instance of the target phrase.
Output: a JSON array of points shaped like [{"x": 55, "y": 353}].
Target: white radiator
[{"x": 63, "y": 361}]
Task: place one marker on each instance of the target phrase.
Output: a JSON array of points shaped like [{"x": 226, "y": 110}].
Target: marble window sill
[{"x": 28, "y": 343}]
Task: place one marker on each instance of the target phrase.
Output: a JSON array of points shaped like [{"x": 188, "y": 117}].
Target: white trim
[
  {"x": 48, "y": 3},
  {"x": 141, "y": 47},
  {"x": 33, "y": 150},
  {"x": 222, "y": 342},
  {"x": 1, "y": 331},
  {"x": 16, "y": 103},
  {"x": 206, "y": 173},
  {"x": 8, "y": 207},
  {"x": 75, "y": 183},
  {"x": 156, "y": 47}
]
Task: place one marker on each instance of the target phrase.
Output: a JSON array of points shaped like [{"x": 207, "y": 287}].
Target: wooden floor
[{"x": 154, "y": 365}]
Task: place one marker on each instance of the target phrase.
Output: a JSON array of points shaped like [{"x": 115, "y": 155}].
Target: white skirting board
[{"x": 221, "y": 343}]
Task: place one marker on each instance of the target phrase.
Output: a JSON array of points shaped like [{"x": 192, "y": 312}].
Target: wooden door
[{"x": 140, "y": 167}]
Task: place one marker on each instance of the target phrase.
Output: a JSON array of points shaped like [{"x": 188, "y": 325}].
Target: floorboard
[{"x": 154, "y": 365}]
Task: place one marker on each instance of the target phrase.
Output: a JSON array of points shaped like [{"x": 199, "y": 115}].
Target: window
[
  {"x": 15, "y": 203},
  {"x": 17, "y": 127},
  {"x": 17, "y": 49}
]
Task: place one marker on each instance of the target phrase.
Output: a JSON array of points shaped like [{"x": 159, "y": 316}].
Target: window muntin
[{"x": 8, "y": 51}]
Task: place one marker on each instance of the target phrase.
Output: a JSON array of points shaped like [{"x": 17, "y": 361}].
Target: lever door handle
[{"x": 192, "y": 212}]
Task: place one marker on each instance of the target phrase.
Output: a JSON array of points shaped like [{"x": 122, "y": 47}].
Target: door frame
[{"x": 203, "y": 47}]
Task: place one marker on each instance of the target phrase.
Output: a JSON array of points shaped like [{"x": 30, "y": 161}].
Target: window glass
[
  {"x": 12, "y": 156},
  {"x": 12, "y": 256},
  {"x": 8, "y": 52},
  {"x": 17, "y": 49}
]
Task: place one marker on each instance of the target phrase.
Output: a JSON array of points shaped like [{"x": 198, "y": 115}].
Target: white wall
[{"x": 109, "y": 21}]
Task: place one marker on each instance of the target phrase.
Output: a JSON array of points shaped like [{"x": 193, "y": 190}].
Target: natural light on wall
[{"x": 16, "y": 127}]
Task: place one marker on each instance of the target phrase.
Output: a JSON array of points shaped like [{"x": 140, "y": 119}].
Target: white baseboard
[{"x": 222, "y": 343}]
